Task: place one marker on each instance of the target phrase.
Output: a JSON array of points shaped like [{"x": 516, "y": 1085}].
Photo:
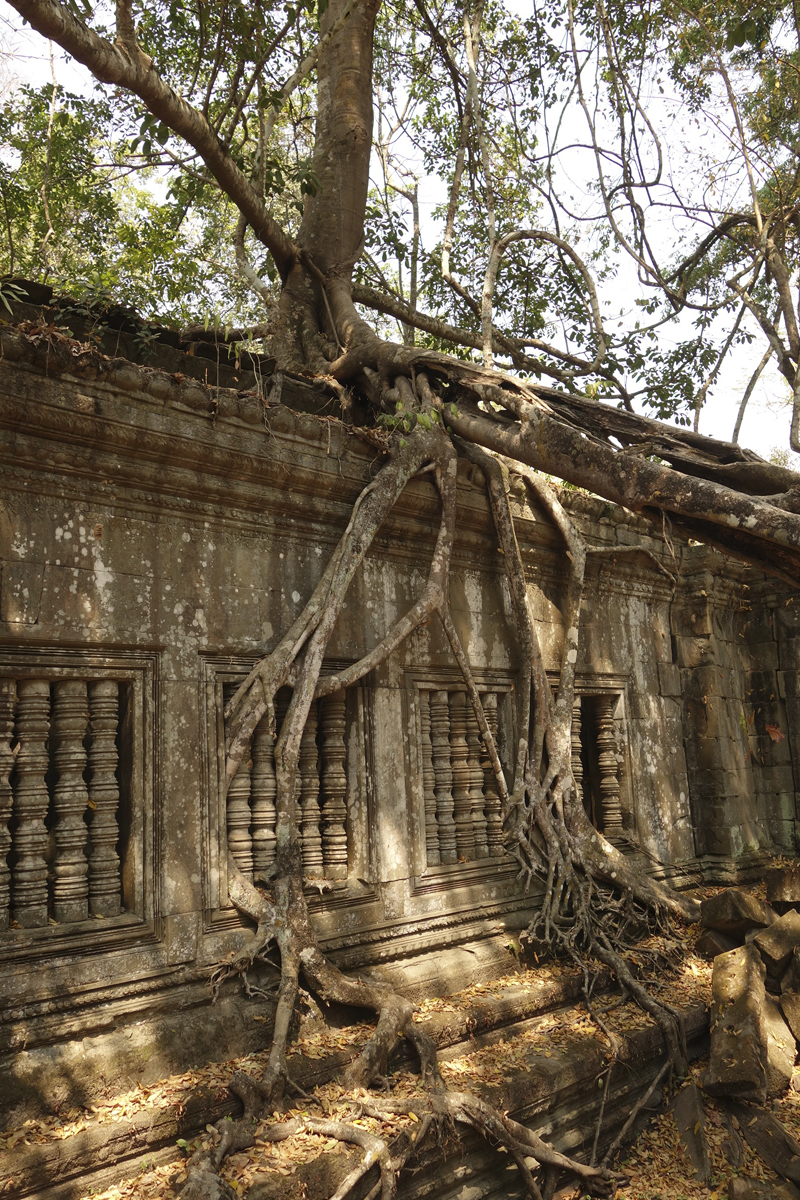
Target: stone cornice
[{"x": 141, "y": 438}]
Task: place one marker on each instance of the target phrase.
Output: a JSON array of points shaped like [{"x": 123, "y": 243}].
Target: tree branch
[
  {"x": 756, "y": 531},
  {"x": 392, "y": 306}
]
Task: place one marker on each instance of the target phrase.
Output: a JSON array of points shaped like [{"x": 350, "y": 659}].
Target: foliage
[{"x": 668, "y": 109}]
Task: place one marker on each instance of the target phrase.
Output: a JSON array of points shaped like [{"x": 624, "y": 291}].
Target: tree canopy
[{"x": 649, "y": 151}]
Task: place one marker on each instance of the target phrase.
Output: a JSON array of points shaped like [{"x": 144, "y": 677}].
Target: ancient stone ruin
[{"x": 160, "y": 524}]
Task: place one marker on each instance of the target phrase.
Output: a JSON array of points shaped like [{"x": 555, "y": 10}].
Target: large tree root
[
  {"x": 593, "y": 900},
  {"x": 376, "y": 1149},
  {"x": 448, "y": 1108}
]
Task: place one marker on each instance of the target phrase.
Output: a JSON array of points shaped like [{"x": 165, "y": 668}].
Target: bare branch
[
  {"x": 393, "y": 306},
  {"x": 538, "y": 235},
  {"x": 748, "y": 391}
]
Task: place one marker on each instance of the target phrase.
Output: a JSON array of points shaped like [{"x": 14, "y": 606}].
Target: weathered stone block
[
  {"x": 790, "y": 980},
  {"x": 700, "y": 619},
  {"x": 738, "y": 1059},
  {"x": 761, "y": 686},
  {"x": 714, "y": 836},
  {"x": 783, "y": 888},
  {"x": 743, "y": 1187},
  {"x": 703, "y": 754},
  {"x": 786, "y": 621},
  {"x": 703, "y": 681},
  {"x": 735, "y": 912},
  {"x": 765, "y": 654},
  {"x": 770, "y": 1139},
  {"x": 710, "y": 717},
  {"x": 782, "y": 830},
  {"x": 724, "y": 753},
  {"x": 732, "y": 1145},
  {"x": 781, "y": 1048},
  {"x": 711, "y": 943},
  {"x": 710, "y": 781},
  {"x": 780, "y": 778},
  {"x": 789, "y": 649},
  {"x": 687, "y": 1109},
  {"x": 693, "y": 651},
  {"x": 669, "y": 679},
  {"x": 758, "y": 626},
  {"x": 790, "y": 1005},
  {"x": 776, "y": 944},
  {"x": 769, "y": 753}
]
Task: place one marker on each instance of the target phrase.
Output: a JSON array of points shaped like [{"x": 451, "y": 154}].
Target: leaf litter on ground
[{"x": 656, "y": 1166}]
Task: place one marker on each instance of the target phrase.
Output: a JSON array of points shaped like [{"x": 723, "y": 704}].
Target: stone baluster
[
  {"x": 577, "y": 761},
  {"x": 29, "y": 880},
  {"x": 428, "y": 783},
  {"x": 476, "y": 783},
  {"x": 311, "y": 839},
  {"x": 8, "y": 696},
  {"x": 465, "y": 835},
  {"x": 607, "y": 762},
  {"x": 263, "y": 790},
  {"x": 334, "y": 787},
  {"x": 492, "y": 807},
  {"x": 104, "y": 873},
  {"x": 238, "y": 813},
  {"x": 443, "y": 776},
  {"x": 70, "y": 718}
]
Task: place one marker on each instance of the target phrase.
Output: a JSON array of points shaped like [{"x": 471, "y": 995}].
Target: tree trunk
[{"x": 316, "y": 297}]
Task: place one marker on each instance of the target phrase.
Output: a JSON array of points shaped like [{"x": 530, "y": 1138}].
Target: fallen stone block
[
  {"x": 781, "y": 1048},
  {"x": 790, "y": 980},
  {"x": 713, "y": 942},
  {"x": 790, "y": 1004},
  {"x": 783, "y": 888},
  {"x": 732, "y": 1144},
  {"x": 738, "y": 1059},
  {"x": 769, "y": 1138},
  {"x": 776, "y": 944},
  {"x": 735, "y": 912},
  {"x": 690, "y": 1119},
  {"x": 746, "y": 1188}
]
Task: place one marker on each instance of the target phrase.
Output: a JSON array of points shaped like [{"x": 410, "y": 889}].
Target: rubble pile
[
  {"x": 755, "y": 1006},
  {"x": 755, "y": 1036}
]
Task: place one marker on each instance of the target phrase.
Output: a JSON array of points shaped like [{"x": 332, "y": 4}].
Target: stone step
[{"x": 555, "y": 1093}]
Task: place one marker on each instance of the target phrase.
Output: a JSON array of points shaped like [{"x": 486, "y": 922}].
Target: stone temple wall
[{"x": 156, "y": 536}]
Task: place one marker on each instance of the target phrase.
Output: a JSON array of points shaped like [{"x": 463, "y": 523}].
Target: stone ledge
[{"x": 557, "y": 1096}]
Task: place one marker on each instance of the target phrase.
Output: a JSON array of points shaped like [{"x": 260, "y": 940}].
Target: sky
[{"x": 25, "y": 57}]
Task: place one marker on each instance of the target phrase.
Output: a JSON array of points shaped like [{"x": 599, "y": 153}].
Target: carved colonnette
[
  {"x": 460, "y": 809},
  {"x": 454, "y": 820},
  {"x": 63, "y": 843}
]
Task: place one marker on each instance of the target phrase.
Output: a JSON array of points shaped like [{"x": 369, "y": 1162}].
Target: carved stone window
[
  {"x": 331, "y": 793},
  {"x": 597, "y": 762},
  {"x": 457, "y": 808},
  {"x": 75, "y": 794}
]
